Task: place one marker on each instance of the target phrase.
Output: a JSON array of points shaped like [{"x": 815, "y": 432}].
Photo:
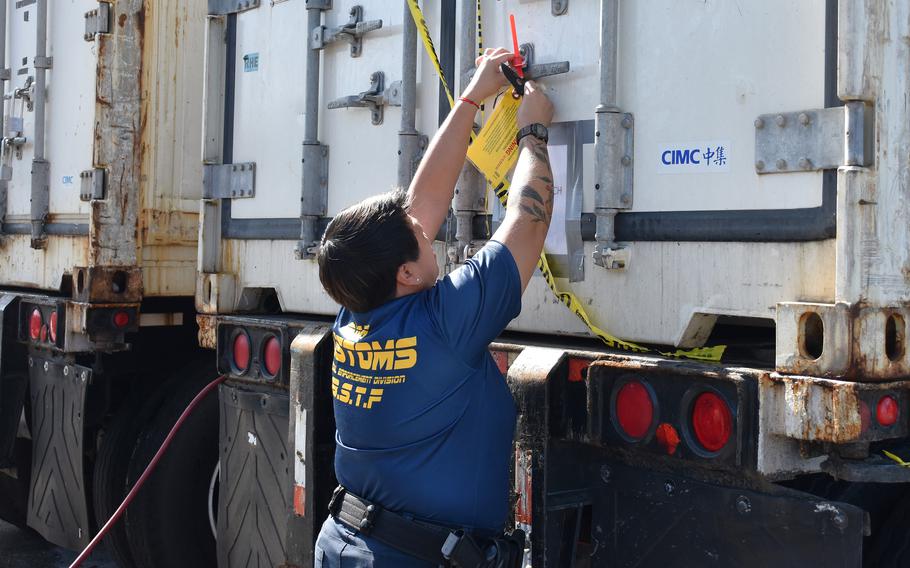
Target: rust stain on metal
[{"x": 208, "y": 326}]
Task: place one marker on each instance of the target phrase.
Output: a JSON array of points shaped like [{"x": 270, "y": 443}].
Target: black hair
[{"x": 362, "y": 249}]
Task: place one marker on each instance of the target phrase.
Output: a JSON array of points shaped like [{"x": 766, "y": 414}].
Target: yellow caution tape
[
  {"x": 567, "y": 298},
  {"x": 895, "y": 458}
]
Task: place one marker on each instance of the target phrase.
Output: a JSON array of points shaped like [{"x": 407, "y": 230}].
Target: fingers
[{"x": 497, "y": 55}]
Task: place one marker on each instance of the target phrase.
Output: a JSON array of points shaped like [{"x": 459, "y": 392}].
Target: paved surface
[{"x": 25, "y": 549}]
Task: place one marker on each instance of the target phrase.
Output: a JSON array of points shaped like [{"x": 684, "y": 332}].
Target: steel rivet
[
  {"x": 759, "y": 123},
  {"x": 781, "y": 164},
  {"x": 803, "y": 118},
  {"x": 759, "y": 165},
  {"x": 804, "y": 163},
  {"x": 605, "y": 474},
  {"x": 669, "y": 488},
  {"x": 46, "y": 366},
  {"x": 31, "y": 362},
  {"x": 781, "y": 120},
  {"x": 84, "y": 376},
  {"x": 626, "y": 160},
  {"x": 625, "y": 199},
  {"x": 66, "y": 371},
  {"x": 627, "y": 123}
]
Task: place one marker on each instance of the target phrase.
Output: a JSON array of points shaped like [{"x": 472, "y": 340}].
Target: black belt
[{"x": 439, "y": 545}]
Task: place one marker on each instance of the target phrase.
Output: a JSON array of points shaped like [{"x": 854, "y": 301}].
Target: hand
[
  {"x": 488, "y": 78},
  {"x": 535, "y": 106}
]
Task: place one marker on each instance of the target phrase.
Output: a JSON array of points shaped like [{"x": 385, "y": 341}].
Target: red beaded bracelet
[{"x": 469, "y": 101}]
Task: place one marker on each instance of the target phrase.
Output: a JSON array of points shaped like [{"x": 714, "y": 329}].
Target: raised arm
[
  {"x": 530, "y": 205},
  {"x": 433, "y": 186}
]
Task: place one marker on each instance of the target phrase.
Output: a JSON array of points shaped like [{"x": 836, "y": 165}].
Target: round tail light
[
  {"x": 712, "y": 421},
  {"x": 241, "y": 352},
  {"x": 52, "y": 327},
  {"x": 272, "y": 356},
  {"x": 887, "y": 411},
  {"x": 634, "y": 410},
  {"x": 121, "y": 319},
  {"x": 34, "y": 324}
]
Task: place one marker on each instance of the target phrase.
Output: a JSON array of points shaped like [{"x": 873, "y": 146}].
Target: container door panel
[
  {"x": 363, "y": 157},
  {"x": 695, "y": 75},
  {"x": 268, "y": 106}
]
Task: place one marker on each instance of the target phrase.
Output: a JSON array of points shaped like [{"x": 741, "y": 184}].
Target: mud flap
[
  {"x": 57, "y": 501},
  {"x": 255, "y": 492},
  {"x": 599, "y": 513}
]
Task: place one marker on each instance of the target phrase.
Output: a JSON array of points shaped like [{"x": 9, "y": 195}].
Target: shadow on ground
[{"x": 26, "y": 549}]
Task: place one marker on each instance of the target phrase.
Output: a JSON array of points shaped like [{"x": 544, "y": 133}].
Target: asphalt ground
[{"x": 26, "y": 549}]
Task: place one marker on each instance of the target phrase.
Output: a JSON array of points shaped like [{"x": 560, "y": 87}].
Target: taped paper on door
[{"x": 494, "y": 151}]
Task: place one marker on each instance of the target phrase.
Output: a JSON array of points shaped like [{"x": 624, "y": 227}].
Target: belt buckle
[{"x": 335, "y": 501}]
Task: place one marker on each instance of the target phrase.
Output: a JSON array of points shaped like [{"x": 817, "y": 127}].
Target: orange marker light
[{"x": 517, "y": 60}]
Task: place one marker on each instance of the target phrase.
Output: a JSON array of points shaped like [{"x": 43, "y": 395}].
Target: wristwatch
[{"x": 536, "y": 130}]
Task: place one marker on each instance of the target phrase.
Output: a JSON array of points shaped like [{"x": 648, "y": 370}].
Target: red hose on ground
[{"x": 145, "y": 474}]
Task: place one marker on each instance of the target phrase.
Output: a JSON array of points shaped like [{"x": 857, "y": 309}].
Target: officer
[{"x": 425, "y": 420}]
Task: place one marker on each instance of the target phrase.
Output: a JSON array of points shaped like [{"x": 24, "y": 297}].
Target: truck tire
[
  {"x": 112, "y": 465},
  {"x": 168, "y": 522}
]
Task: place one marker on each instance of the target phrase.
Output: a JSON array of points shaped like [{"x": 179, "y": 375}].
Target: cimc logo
[{"x": 694, "y": 157}]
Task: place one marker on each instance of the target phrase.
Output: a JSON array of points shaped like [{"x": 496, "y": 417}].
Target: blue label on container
[{"x": 250, "y": 62}]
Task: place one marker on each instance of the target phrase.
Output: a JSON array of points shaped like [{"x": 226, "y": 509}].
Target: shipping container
[
  {"x": 727, "y": 173},
  {"x": 100, "y": 181}
]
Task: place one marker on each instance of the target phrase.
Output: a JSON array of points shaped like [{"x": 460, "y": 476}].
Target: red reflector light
[
  {"x": 272, "y": 356},
  {"x": 34, "y": 324},
  {"x": 121, "y": 319},
  {"x": 241, "y": 352},
  {"x": 52, "y": 327},
  {"x": 634, "y": 409},
  {"x": 887, "y": 411},
  {"x": 712, "y": 421}
]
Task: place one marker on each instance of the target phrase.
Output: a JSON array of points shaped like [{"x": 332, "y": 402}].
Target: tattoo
[
  {"x": 533, "y": 204},
  {"x": 536, "y": 213},
  {"x": 544, "y": 179},
  {"x": 528, "y": 191}
]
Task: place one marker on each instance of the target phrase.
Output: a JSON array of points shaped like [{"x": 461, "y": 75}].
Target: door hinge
[
  {"x": 229, "y": 181},
  {"x": 91, "y": 183},
  {"x": 352, "y": 32},
  {"x": 97, "y": 21},
  {"x": 375, "y": 98},
  {"x": 812, "y": 140}
]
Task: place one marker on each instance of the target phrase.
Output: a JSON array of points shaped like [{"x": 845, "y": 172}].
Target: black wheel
[
  {"x": 168, "y": 522},
  {"x": 115, "y": 451}
]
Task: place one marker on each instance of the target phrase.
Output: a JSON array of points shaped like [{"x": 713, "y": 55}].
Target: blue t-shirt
[{"x": 425, "y": 419}]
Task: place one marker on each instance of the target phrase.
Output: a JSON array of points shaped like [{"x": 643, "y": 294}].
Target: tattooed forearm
[
  {"x": 533, "y": 197},
  {"x": 538, "y": 209}
]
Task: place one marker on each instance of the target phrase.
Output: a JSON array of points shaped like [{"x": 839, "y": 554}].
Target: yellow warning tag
[{"x": 494, "y": 151}]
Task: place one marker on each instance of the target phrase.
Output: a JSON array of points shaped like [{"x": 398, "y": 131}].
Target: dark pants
[{"x": 341, "y": 547}]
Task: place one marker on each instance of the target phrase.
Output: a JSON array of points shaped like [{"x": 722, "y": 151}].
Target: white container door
[{"x": 70, "y": 107}]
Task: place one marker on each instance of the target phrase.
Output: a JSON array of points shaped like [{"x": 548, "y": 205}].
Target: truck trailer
[
  {"x": 730, "y": 178},
  {"x": 727, "y": 173}
]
